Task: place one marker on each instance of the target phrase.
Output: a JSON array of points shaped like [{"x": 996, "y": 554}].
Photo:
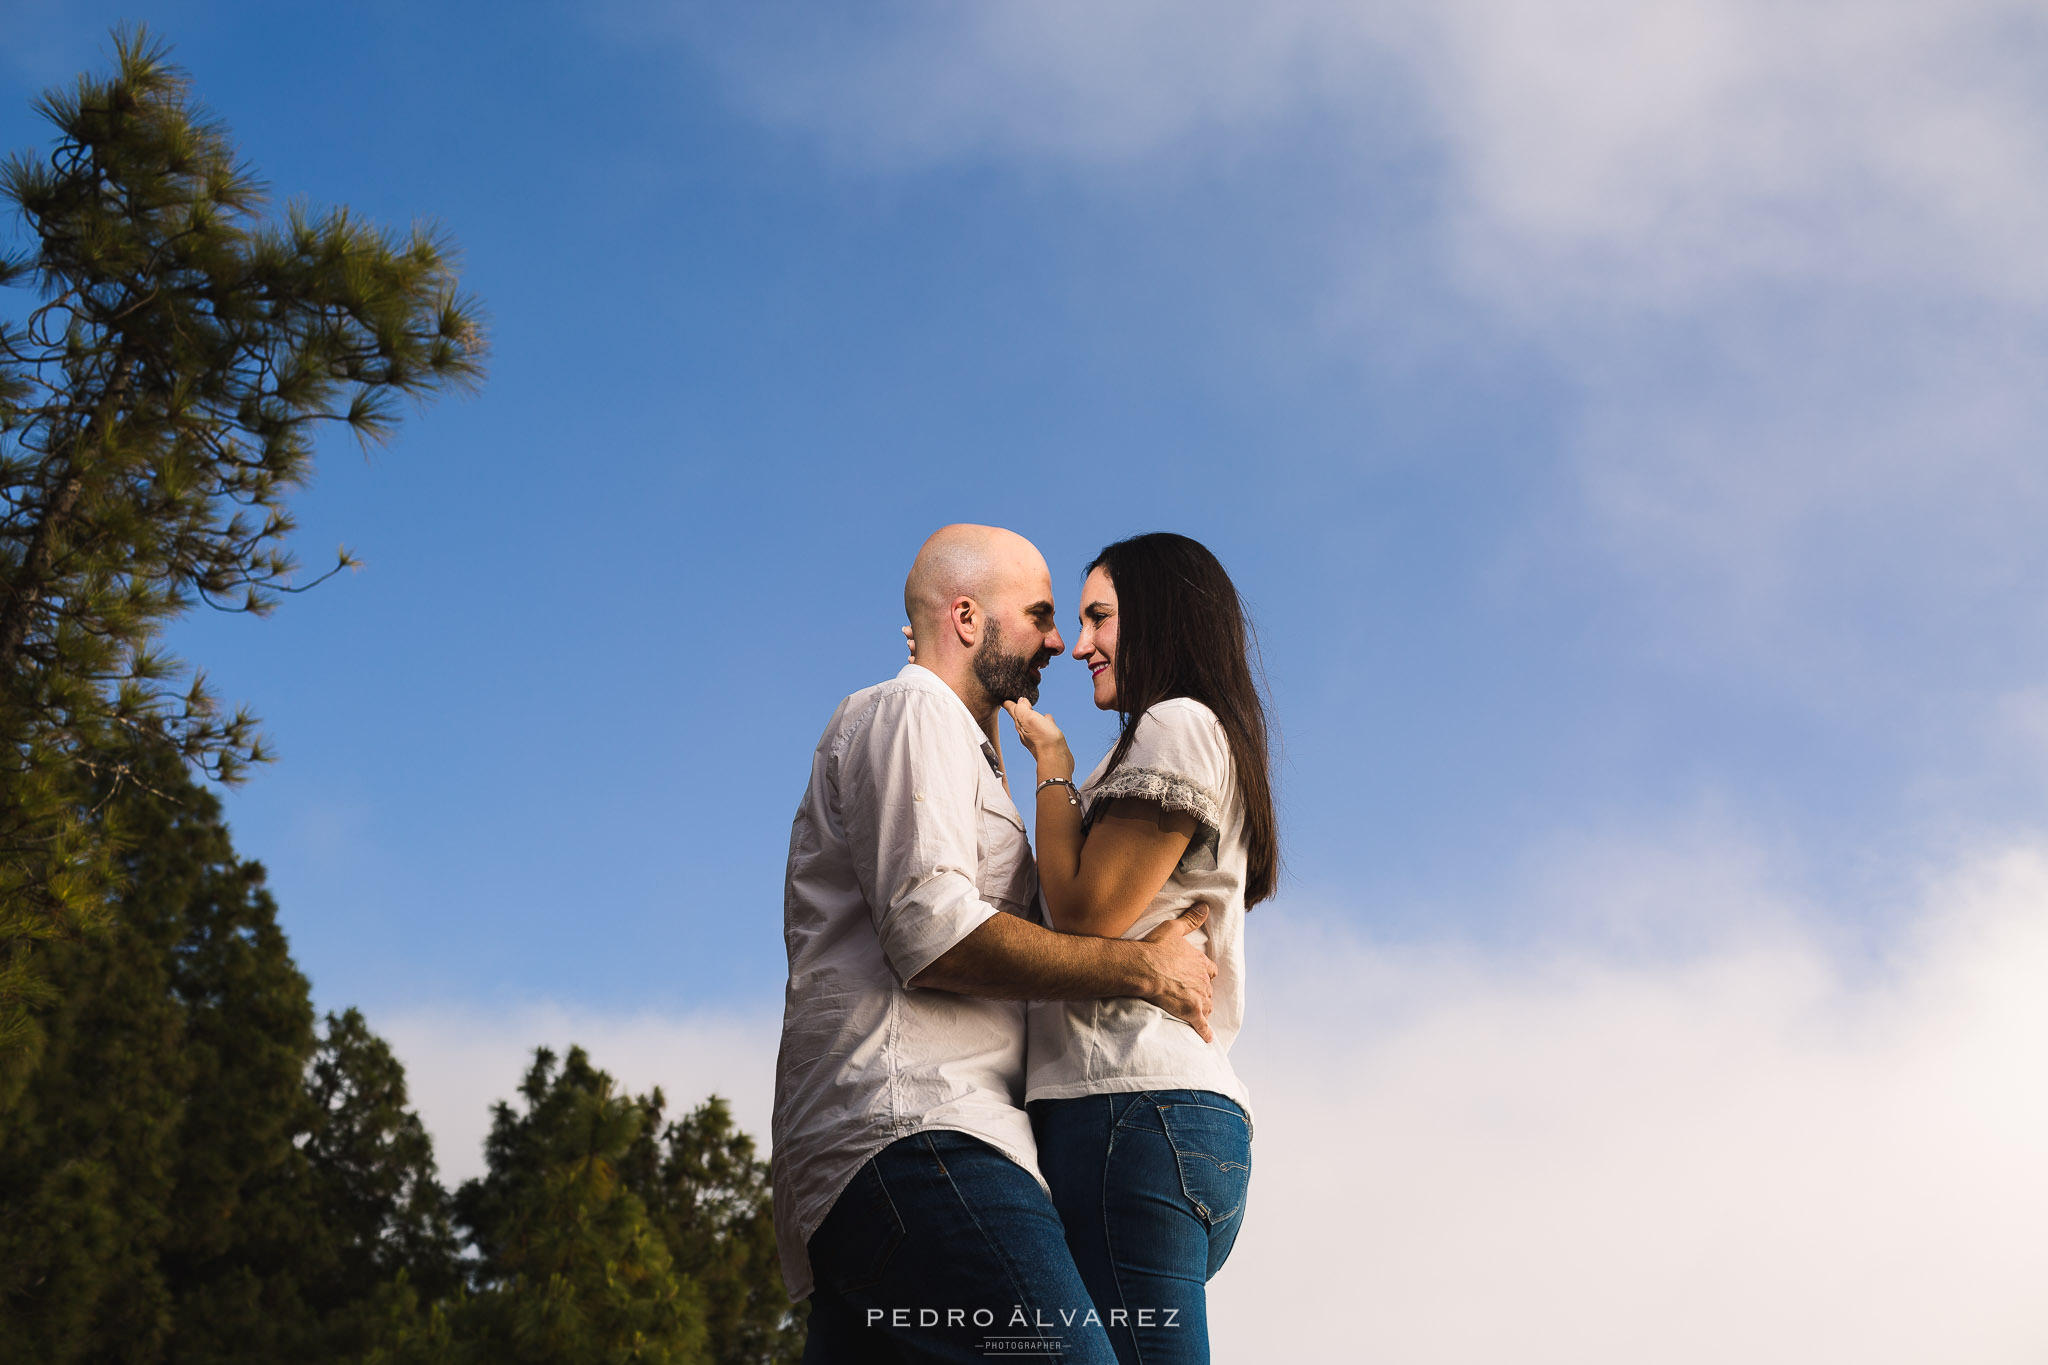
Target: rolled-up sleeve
[{"x": 907, "y": 788}]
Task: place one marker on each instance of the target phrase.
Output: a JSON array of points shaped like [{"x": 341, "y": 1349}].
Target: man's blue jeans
[
  {"x": 1151, "y": 1186},
  {"x": 944, "y": 1249}
]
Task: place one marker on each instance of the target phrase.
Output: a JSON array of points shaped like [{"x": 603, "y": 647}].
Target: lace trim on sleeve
[{"x": 1170, "y": 790}]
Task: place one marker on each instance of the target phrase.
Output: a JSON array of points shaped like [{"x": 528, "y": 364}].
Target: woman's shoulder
[
  {"x": 1181, "y": 712},
  {"x": 1181, "y": 720},
  {"x": 1180, "y": 760},
  {"x": 1181, "y": 734}
]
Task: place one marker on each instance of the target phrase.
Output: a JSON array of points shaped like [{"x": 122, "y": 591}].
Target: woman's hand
[
  {"x": 1042, "y": 740},
  {"x": 910, "y": 639}
]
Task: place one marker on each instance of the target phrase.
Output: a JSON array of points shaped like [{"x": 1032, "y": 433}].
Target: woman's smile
[{"x": 1095, "y": 646}]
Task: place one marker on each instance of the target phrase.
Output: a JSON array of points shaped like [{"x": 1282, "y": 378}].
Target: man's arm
[
  {"x": 912, "y": 816},
  {"x": 1009, "y": 958}
]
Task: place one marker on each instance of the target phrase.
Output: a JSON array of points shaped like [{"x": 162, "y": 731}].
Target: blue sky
[{"x": 1623, "y": 421}]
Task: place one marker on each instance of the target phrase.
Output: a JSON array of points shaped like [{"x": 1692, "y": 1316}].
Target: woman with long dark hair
[{"x": 1143, "y": 1128}]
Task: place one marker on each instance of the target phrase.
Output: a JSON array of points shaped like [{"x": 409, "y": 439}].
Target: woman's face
[{"x": 1096, "y": 645}]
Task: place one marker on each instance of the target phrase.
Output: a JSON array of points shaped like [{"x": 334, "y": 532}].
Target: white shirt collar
[{"x": 922, "y": 678}]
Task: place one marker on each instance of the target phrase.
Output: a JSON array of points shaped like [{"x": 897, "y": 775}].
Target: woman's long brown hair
[{"x": 1181, "y": 632}]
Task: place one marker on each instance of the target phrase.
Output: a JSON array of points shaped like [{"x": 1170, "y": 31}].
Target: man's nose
[{"x": 1054, "y": 643}]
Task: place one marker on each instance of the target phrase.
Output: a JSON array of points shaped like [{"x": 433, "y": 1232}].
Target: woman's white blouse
[{"x": 1179, "y": 759}]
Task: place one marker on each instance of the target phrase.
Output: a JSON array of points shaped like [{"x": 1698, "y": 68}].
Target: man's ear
[{"x": 965, "y": 619}]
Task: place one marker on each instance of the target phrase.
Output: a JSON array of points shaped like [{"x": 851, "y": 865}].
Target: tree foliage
[
  {"x": 623, "y": 1216},
  {"x": 571, "y": 1266},
  {"x": 195, "y": 1171},
  {"x": 374, "y": 1166},
  {"x": 158, "y": 404},
  {"x": 708, "y": 1194}
]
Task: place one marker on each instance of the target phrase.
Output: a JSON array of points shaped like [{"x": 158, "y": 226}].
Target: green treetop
[
  {"x": 571, "y": 1266},
  {"x": 158, "y": 405},
  {"x": 192, "y": 1170}
]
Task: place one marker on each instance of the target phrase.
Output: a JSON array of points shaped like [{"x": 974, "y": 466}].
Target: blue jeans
[
  {"x": 940, "y": 1246},
  {"x": 1151, "y": 1187}
]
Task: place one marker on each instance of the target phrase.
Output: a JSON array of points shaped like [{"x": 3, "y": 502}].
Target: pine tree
[
  {"x": 157, "y": 407},
  {"x": 572, "y": 1269},
  {"x": 97, "y": 1175},
  {"x": 191, "y": 1172},
  {"x": 708, "y": 1194},
  {"x": 372, "y": 1163}
]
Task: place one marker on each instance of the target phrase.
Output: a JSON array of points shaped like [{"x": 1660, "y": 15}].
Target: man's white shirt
[{"x": 905, "y": 843}]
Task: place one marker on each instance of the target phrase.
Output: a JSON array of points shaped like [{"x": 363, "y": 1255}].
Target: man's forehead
[
  {"x": 1025, "y": 575},
  {"x": 1027, "y": 563},
  {"x": 1029, "y": 598},
  {"x": 1033, "y": 603}
]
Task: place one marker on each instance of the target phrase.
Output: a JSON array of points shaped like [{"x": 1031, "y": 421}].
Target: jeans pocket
[
  {"x": 1212, "y": 1146},
  {"x": 851, "y": 1248}
]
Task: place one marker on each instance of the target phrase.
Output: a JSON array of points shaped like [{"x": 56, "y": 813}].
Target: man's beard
[{"x": 1005, "y": 676}]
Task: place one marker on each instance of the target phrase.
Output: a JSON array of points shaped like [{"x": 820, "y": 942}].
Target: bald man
[{"x": 908, "y": 1204}]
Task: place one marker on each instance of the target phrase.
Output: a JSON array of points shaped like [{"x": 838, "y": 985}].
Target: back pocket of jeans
[
  {"x": 851, "y": 1248},
  {"x": 1212, "y": 1146}
]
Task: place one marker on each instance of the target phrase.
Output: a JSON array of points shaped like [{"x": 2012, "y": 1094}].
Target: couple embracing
[{"x": 959, "y": 1174}]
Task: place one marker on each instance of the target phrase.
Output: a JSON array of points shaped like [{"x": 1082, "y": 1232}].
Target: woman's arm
[
  {"x": 1099, "y": 884},
  {"x": 1113, "y": 874}
]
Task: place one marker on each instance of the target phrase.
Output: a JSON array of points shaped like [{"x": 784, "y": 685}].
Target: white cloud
[
  {"x": 1783, "y": 257},
  {"x": 1645, "y": 152},
  {"x": 460, "y": 1061},
  {"x": 1651, "y": 153},
  {"x": 1750, "y": 1153},
  {"x": 1059, "y": 80}
]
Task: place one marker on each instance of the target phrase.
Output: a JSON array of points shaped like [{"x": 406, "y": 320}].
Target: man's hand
[{"x": 1184, "y": 971}]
